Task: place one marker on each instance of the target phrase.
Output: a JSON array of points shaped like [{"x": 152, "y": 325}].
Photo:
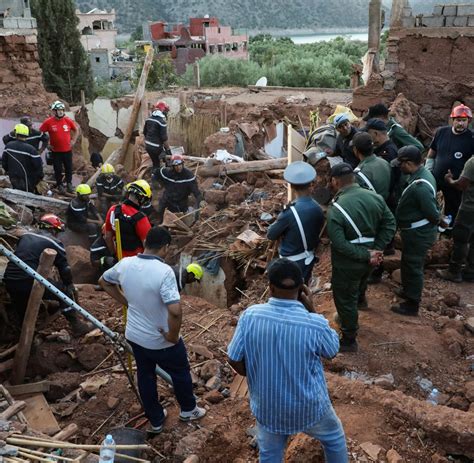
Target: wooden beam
[
  {"x": 9, "y": 398},
  {"x": 6, "y": 365},
  {"x": 30, "y": 199},
  {"x": 30, "y": 388},
  {"x": 290, "y": 151},
  {"x": 6, "y": 353},
  {"x": 136, "y": 105},
  {"x": 66, "y": 433},
  {"x": 242, "y": 167},
  {"x": 12, "y": 410},
  {"x": 22, "y": 353}
]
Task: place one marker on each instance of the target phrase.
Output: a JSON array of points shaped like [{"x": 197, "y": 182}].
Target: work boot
[
  {"x": 78, "y": 326},
  {"x": 362, "y": 303},
  {"x": 61, "y": 189},
  {"x": 348, "y": 344},
  {"x": 450, "y": 276},
  {"x": 409, "y": 308},
  {"x": 400, "y": 293},
  {"x": 70, "y": 188}
]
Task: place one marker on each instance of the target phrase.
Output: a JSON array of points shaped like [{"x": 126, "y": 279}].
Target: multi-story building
[{"x": 203, "y": 36}]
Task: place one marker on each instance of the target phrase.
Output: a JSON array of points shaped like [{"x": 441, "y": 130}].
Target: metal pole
[{"x": 115, "y": 337}]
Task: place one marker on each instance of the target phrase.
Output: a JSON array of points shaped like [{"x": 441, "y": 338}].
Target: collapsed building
[{"x": 379, "y": 394}]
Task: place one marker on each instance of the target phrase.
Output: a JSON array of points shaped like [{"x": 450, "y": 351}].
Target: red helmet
[
  {"x": 162, "y": 106},
  {"x": 461, "y": 111},
  {"x": 51, "y": 221},
  {"x": 177, "y": 159}
]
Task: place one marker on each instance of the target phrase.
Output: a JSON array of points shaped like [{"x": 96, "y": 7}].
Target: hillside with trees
[{"x": 251, "y": 14}]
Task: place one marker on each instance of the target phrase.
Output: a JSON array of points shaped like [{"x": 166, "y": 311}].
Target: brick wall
[{"x": 21, "y": 84}]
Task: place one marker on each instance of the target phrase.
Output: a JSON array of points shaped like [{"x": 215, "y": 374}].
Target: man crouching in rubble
[
  {"x": 29, "y": 250},
  {"x": 278, "y": 346},
  {"x": 153, "y": 324},
  {"x": 300, "y": 223}
]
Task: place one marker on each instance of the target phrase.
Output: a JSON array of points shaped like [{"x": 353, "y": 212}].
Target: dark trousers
[
  {"x": 415, "y": 245},
  {"x": 348, "y": 289},
  {"x": 307, "y": 270},
  {"x": 91, "y": 229},
  {"x": 452, "y": 200},
  {"x": 174, "y": 360},
  {"x": 61, "y": 159},
  {"x": 156, "y": 154},
  {"x": 171, "y": 206},
  {"x": 19, "y": 291},
  {"x": 19, "y": 183},
  {"x": 463, "y": 243}
]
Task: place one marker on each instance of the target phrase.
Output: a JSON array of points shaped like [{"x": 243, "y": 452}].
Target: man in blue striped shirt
[{"x": 278, "y": 346}]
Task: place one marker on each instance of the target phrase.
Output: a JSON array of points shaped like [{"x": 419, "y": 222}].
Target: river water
[{"x": 301, "y": 39}]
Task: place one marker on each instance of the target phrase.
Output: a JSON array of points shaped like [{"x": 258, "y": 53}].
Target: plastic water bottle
[
  {"x": 107, "y": 450},
  {"x": 433, "y": 397}
]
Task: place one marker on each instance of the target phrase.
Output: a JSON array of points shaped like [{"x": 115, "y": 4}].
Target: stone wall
[
  {"x": 443, "y": 16},
  {"x": 21, "y": 84}
]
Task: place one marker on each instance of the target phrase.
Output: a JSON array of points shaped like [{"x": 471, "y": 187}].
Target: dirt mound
[{"x": 79, "y": 261}]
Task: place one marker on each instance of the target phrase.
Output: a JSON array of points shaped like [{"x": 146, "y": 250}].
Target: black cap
[
  {"x": 283, "y": 269},
  {"x": 376, "y": 110},
  {"x": 409, "y": 153},
  {"x": 363, "y": 142},
  {"x": 376, "y": 124},
  {"x": 341, "y": 169}
]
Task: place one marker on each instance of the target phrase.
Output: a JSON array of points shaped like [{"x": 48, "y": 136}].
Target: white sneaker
[
  {"x": 157, "y": 429},
  {"x": 195, "y": 414}
]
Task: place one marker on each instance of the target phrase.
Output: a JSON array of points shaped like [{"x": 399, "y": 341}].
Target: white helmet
[{"x": 58, "y": 105}]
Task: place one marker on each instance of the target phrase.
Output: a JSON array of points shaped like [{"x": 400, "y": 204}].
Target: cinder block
[
  {"x": 465, "y": 10},
  {"x": 438, "y": 10},
  {"x": 470, "y": 21},
  {"x": 460, "y": 21},
  {"x": 433, "y": 21},
  {"x": 450, "y": 10},
  {"x": 449, "y": 21}
]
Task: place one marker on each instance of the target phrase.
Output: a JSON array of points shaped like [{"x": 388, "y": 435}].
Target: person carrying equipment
[
  {"x": 156, "y": 134},
  {"x": 179, "y": 182},
  {"x": 29, "y": 249},
  {"x": 134, "y": 224},
  {"x": 22, "y": 162},
  {"x": 81, "y": 215},
  {"x": 300, "y": 223},
  {"x": 109, "y": 187}
]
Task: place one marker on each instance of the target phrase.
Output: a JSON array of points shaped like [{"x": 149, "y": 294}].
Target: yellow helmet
[
  {"x": 83, "y": 189},
  {"x": 22, "y": 129},
  {"x": 140, "y": 187},
  {"x": 107, "y": 168},
  {"x": 196, "y": 270}
]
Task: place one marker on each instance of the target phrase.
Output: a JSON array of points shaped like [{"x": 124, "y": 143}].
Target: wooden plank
[
  {"x": 290, "y": 151},
  {"x": 6, "y": 365},
  {"x": 23, "y": 350},
  {"x": 136, "y": 105},
  {"x": 9, "y": 398},
  {"x": 8, "y": 352},
  {"x": 12, "y": 410},
  {"x": 66, "y": 433},
  {"x": 270, "y": 88},
  {"x": 242, "y": 167},
  {"x": 30, "y": 388},
  {"x": 30, "y": 199},
  {"x": 39, "y": 415}
]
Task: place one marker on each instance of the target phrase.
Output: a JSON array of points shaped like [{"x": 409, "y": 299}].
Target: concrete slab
[
  {"x": 465, "y": 10},
  {"x": 460, "y": 21},
  {"x": 450, "y": 10},
  {"x": 433, "y": 21},
  {"x": 112, "y": 144},
  {"x": 102, "y": 116},
  {"x": 123, "y": 118}
]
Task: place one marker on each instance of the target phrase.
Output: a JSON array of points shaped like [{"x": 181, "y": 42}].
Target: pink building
[{"x": 203, "y": 36}]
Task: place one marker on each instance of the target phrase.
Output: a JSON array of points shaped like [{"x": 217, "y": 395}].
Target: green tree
[
  {"x": 63, "y": 60},
  {"x": 137, "y": 34},
  {"x": 162, "y": 72}
]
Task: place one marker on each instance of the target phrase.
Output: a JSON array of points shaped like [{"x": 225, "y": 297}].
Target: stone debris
[{"x": 372, "y": 450}]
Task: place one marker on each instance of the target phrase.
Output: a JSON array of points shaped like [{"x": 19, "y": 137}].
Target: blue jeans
[
  {"x": 174, "y": 360},
  {"x": 328, "y": 431}
]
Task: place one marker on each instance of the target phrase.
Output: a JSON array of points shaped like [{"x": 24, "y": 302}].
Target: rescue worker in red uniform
[{"x": 134, "y": 223}]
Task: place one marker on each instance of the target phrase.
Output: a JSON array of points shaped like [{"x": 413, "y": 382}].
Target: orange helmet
[
  {"x": 162, "y": 106},
  {"x": 177, "y": 159},
  {"x": 461, "y": 111},
  {"x": 51, "y": 221}
]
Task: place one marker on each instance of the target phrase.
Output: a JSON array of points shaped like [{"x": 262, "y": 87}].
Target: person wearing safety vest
[
  {"x": 188, "y": 275},
  {"x": 300, "y": 223},
  {"x": 22, "y": 162},
  {"x": 109, "y": 187},
  {"x": 359, "y": 225},
  {"x": 134, "y": 224},
  {"x": 418, "y": 216},
  {"x": 82, "y": 215},
  {"x": 179, "y": 182}
]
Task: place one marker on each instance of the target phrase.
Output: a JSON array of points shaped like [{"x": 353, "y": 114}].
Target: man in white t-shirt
[{"x": 148, "y": 286}]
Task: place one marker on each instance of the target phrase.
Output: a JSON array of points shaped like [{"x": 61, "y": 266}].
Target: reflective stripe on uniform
[
  {"x": 157, "y": 121},
  {"x": 421, "y": 180},
  {"x": 186, "y": 180},
  {"x": 153, "y": 144},
  {"x": 364, "y": 178},
  {"x": 308, "y": 256},
  {"x": 361, "y": 239},
  {"x": 57, "y": 245},
  {"x": 417, "y": 224},
  {"x": 11, "y": 151}
]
